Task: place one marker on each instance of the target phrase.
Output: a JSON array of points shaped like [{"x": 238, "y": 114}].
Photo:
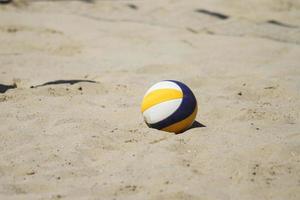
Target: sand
[{"x": 84, "y": 137}]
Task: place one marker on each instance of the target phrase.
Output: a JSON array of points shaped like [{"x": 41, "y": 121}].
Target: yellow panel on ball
[{"x": 159, "y": 96}]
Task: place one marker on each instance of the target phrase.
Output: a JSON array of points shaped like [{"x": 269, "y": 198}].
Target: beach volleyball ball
[{"x": 169, "y": 106}]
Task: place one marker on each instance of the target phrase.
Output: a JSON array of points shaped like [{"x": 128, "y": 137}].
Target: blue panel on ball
[{"x": 185, "y": 109}]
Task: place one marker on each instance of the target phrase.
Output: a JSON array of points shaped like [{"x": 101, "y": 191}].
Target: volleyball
[{"x": 169, "y": 106}]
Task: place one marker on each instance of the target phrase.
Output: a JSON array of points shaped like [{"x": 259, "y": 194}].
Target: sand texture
[{"x": 73, "y": 74}]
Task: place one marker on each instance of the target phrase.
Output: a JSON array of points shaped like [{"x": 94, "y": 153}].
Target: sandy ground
[{"x": 87, "y": 140}]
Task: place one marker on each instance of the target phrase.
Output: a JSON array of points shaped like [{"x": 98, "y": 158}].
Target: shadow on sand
[
  {"x": 4, "y": 88},
  {"x": 57, "y": 82},
  {"x": 196, "y": 124}
]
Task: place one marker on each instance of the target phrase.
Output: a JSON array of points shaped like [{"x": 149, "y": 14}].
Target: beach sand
[{"x": 84, "y": 137}]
